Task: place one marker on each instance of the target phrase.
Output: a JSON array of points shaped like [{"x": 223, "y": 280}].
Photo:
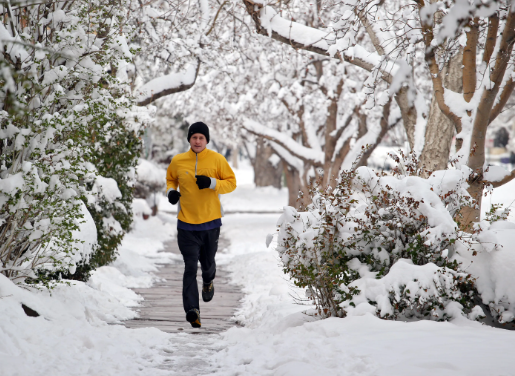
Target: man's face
[{"x": 198, "y": 142}]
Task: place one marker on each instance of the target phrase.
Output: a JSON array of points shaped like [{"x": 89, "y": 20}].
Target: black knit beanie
[{"x": 198, "y": 127}]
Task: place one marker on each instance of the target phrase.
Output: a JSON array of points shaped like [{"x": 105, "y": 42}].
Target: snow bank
[
  {"x": 278, "y": 339},
  {"x": 72, "y": 335}
]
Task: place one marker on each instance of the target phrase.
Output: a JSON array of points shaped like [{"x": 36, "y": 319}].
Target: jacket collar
[{"x": 200, "y": 155}]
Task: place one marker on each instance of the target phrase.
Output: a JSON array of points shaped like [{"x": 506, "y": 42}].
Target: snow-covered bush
[
  {"x": 384, "y": 244},
  {"x": 150, "y": 183},
  {"x": 61, "y": 98},
  {"x": 115, "y": 156}
]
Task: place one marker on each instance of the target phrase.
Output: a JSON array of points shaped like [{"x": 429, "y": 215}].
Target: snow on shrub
[
  {"x": 140, "y": 208},
  {"x": 150, "y": 182},
  {"x": 63, "y": 100},
  {"x": 384, "y": 244},
  {"x": 492, "y": 264}
]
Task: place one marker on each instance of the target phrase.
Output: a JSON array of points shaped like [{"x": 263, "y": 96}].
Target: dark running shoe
[
  {"x": 208, "y": 290},
  {"x": 193, "y": 316}
]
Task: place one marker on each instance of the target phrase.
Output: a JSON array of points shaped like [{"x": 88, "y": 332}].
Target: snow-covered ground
[
  {"x": 77, "y": 332},
  {"x": 278, "y": 339},
  {"x": 74, "y": 334}
]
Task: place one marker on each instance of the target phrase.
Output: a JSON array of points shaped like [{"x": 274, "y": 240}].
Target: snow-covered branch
[
  {"x": 378, "y": 45},
  {"x": 497, "y": 176},
  {"x": 166, "y": 85},
  {"x": 287, "y": 157},
  {"x": 489, "y": 95},
  {"x": 502, "y": 99},
  {"x": 269, "y": 23},
  {"x": 305, "y": 154}
]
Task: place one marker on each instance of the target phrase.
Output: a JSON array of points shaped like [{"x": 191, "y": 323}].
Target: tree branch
[
  {"x": 484, "y": 110},
  {"x": 370, "y": 30},
  {"x": 469, "y": 61},
  {"x": 254, "y": 9},
  {"x": 384, "y": 129},
  {"x": 408, "y": 111},
  {"x": 504, "y": 53},
  {"x": 147, "y": 94},
  {"x": 505, "y": 180},
  {"x": 214, "y": 21},
  {"x": 491, "y": 36},
  {"x": 342, "y": 128},
  {"x": 503, "y": 99},
  {"x": 290, "y": 145},
  {"x": 300, "y": 115},
  {"x": 434, "y": 70}
]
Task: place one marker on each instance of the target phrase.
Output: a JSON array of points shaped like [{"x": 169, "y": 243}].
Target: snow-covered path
[
  {"x": 72, "y": 336},
  {"x": 189, "y": 354},
  {"x": 162, "y": 304}
]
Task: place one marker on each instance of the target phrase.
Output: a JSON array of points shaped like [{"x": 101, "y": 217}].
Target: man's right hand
[{"x": 173, "y": 197}]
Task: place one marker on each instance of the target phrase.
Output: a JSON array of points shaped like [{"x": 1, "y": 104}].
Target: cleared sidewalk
[{"x": 162, "y": 304}]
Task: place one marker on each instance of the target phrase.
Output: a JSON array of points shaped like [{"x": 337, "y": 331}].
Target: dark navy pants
[{"x": 197, "y": 246}]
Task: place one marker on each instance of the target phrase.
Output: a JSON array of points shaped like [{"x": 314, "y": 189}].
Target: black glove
[
  {"x": 203, "y": 181},
  {"x": 173, "y": 197}
]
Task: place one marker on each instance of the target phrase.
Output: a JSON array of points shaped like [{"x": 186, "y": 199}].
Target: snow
[
  {"x": 140, "y": 207},
  {"x": 72, "y": 336},
  {"x": 120, "y": 43},
  {"x": 150, "y": 173},
  {"x": 494, "y": 268},
  {"x": 168, "y": 82},
  {"x": 9, "y": 185},
  {"x": 504, "y": 195},
  {"x": 279, "y": 340},
  {"x": 324, "y": 40},
  {"x": 380, "y": 159},
  {"x": 85, "y": 238},
  {"x": 77, "y": 332},
  {"x": 495, "y": 173},
  {"x": 106, "y": 188},
  {"x": 314, "y": 155},
  {"x": 305, "y": 35}
]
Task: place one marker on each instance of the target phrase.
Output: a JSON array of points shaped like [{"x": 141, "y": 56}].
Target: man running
[{"x": 195, "y": 180}]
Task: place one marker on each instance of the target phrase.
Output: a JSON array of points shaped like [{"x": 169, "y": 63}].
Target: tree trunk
[
  {"x": 265, "y": 174},
  {"x": 293, "y": 183},
  {"x": 330, "y": 171},
  {"x": 439, "y": 128},
  {"x": 438, "y": 139},
  {"x": 234, "y": 157},
  {"x": 469, "y": 215}
]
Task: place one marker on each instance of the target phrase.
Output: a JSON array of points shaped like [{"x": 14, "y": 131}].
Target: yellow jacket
[{"x": 199, "y": 205}]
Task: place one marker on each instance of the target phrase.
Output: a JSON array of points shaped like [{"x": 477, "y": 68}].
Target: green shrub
[{"x": 382, "y": 241}]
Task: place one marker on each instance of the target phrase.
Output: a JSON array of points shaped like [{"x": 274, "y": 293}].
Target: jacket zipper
[{"x": 196, "y": 161}]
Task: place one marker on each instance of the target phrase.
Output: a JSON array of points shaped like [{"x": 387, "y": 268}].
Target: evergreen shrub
[
  {"x": 68, "y": 135},
  {"x": 383, "y": 244}
]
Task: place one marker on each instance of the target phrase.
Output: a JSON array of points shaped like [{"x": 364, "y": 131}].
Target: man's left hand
[{"x": 203, "y": 181}]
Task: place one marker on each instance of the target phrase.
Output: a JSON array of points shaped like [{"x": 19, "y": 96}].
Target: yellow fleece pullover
[{"x": 199, "y": 205}]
